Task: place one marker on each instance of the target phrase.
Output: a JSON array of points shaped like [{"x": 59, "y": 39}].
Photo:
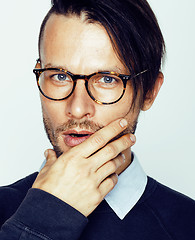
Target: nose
[{"x": 79, "y": 104}]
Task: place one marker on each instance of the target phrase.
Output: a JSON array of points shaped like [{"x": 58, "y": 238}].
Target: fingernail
[
  {"x": 123, "y": 123},
  {"x": 46, "y": 153},
  {"x": 123, "y": 156},
  {"x": 132, "y": 137}
]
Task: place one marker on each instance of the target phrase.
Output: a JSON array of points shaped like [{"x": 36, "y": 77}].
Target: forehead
[{"x": 72, "y": 42}]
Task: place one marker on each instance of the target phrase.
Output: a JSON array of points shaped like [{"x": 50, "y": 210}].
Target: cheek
[
  {"x": 109, "y": 113},
  {"x": 54, "y": 111}
]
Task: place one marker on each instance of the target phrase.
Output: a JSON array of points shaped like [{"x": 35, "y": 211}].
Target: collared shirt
[{"x": 128, "y": 190}]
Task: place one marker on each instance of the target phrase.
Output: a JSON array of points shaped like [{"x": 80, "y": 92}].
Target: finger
[
  {"x": 109, "y": 168},
  {"x": 112, "y": 150},
  {"x": 101, "y": 137},
  {"x": 108, "y": 184}
]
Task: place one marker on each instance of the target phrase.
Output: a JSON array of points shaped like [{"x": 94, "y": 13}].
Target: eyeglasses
[{"x": 103, "y": 87}]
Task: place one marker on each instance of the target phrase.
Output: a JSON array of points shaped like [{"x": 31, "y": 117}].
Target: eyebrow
[{"x": 114, "y": 69}]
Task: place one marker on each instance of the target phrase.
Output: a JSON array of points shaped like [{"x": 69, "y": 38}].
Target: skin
[{"x": 84, "y": 174}]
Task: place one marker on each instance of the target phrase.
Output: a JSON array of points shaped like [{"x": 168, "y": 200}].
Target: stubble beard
[{"x": 53, "y": 134}]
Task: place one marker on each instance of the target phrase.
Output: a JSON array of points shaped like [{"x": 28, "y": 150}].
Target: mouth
[
  {"x": 78, "y": 135},
  {"x": 73, "y": 138}
]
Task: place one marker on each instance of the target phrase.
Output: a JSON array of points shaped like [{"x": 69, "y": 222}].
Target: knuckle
[
  {"x": 126, "y": 141},
  {"x": 115, "y": 128},
  {"x": 112, "y": 166},
  {"x": 114, "y": 179},
  {"x": 83, "y": 173},
  {"x": 111, "y": 182},
  {"x": 97, "y": 197},
  {"x": 83, "y": 170},
  {"x": 97, "y": 140},
  {"x": 111, "y": 149}
]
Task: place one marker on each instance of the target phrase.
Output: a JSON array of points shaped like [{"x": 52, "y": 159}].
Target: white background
[{"x": 165, "y": 135}]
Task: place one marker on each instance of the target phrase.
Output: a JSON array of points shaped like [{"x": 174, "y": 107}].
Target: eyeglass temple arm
[{"x": 140, "y": 73}]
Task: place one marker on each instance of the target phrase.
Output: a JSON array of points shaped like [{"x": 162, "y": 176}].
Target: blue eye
[
  {"x": 105, "y": 81},
  {"x": 108, "y": 79},
  {"x": 61, "y": 77}
]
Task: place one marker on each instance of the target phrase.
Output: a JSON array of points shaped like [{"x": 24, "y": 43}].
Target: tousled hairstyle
[{"x": 133, "y": 30}]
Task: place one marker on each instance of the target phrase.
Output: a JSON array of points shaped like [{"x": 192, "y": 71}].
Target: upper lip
[{"x": 73, "y": 131}]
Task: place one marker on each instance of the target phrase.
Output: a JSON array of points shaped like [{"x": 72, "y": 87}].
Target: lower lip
[{"x": 74, "y": 141}]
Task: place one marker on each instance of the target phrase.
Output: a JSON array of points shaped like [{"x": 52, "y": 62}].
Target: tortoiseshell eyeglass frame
[{"x": 75, "y": 77}]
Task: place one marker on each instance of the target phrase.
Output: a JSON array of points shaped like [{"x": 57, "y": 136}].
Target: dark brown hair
[{"x": 133, "y": 30}]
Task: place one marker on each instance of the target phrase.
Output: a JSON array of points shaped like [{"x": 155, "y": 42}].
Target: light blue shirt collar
[{"x": 128, "y": 190}]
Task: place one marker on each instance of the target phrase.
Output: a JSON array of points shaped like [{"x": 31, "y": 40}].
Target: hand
[{"x": 85, "y": 174}]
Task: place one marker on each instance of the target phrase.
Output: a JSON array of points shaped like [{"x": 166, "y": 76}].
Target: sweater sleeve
[{"x": 43, "y": 216}]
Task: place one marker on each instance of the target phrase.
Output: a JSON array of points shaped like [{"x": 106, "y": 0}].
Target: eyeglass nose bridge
[
  {"x": 76, "y": 77},
  {"x": 86, "y": 78}
]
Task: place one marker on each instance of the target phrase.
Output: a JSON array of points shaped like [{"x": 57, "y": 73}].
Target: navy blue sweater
[{"x": 33, "y": 214}]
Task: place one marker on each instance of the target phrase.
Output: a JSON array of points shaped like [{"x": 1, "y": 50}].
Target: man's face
[{"x": 80, "y": 48}]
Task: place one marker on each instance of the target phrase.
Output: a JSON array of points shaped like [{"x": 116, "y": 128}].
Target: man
[{"x": 98, "y": 67}]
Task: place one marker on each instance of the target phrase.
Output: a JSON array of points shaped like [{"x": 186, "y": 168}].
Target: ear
[{"x": 150, "y": 97}]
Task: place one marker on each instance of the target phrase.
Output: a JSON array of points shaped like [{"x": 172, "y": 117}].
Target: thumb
[{"x": 50, "y": 156}]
